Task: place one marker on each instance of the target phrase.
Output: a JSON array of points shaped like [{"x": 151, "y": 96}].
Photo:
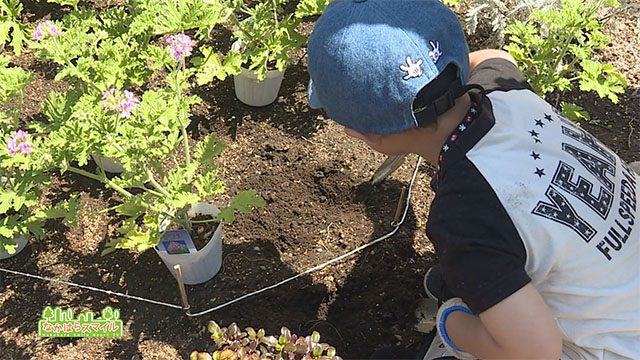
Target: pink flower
[
  {"x": 128, "y": 104},
  {"x": 180, "y": 46},
  {"x": 19, "y": 143},
  {"x": 45, "y": 29},
  {"x": 110, "y": 99},
  {"x": 124, "y": 102}
]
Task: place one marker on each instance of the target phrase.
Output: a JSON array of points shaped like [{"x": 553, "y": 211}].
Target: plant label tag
[{"x": 177, "y": 242}]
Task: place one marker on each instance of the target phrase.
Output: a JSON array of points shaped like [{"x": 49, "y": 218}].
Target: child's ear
[{"x": 370, "y": 139}]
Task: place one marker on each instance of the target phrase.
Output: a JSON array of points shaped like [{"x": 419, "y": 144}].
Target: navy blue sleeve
[
  {"x": 480, "y": 251},
  {"x": 498, "y": 74}
]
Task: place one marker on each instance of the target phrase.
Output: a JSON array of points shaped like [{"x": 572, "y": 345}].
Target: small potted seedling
[
  {"x": 24, "y": 161},
  {"x": 234, "y": 344},
  {"x": 265, "y": 40}
]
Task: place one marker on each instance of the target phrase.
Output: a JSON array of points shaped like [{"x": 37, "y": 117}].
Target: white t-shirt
[{"x": 523, "y": 195}]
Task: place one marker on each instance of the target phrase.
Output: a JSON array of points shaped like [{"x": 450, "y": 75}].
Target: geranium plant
[
  {"x": 266, "y": 36},
  {"x": 146, "y": 132},
  {"x": 234, "y": 344},
  {"x": 24, "y": 161},
  {"x": 111, "y": 112},
  {"x": 99, "y": 51},
  {"x": 122, "y": 46},
  {"x": 556, "y": 47},
  {"x": 499, "y": 13},
  {"x": 159, "y": 17}
]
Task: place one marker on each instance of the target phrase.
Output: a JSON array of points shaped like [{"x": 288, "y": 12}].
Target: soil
[
  {"x": 320, "y": 205},
  {"x": 201, "y": 233}
]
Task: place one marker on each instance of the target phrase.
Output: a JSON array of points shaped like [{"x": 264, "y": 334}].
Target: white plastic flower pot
[
  {"x": 21, "y": 242},
  {"x": 108, "y": 165},
  {"x": 204, "y": 264},
  {"x": 257, "y": 93}
]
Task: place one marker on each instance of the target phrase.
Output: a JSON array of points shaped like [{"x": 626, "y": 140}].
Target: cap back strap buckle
[{"x": 439, "y": 96}]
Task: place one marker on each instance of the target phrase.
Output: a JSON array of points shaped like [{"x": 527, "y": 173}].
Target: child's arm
[
  {"x": 476, "y": 57},
  {"x": 520, "y": 326}
]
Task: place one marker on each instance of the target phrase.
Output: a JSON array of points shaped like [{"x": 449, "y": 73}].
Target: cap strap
[
  {"x": 429, "y": 113},
  {"x": 430, "y": 110}
]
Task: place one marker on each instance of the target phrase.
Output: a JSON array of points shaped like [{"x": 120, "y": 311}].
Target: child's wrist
[{"x": 446, "y": 310}]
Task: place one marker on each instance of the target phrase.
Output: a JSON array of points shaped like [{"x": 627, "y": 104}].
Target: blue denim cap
[{"x": 368, "y": 59}]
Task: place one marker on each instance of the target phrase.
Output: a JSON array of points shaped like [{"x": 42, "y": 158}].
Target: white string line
[
  {"x": 115, "y": 293},
  {"x": 323, "y": 265},
  {"x": 218, "y": 307}
]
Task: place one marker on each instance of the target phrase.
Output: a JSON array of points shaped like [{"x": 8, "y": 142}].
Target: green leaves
[
  {"x": 81, "y": 34},
  {"x": 208, "y": 185},
  {"x": 233, "y": 343},
  {"x": 20, "y": 212},
  {"x": 267, "y": 37},
  {"x": 602, "y": 78},
  {"x": 131, "y": 208},
  {"x": 108, "y": 54},
  {"x": 11, "y": 29},
  {"x": 66, "y": 210},
  {"x": 208, "y": 149},
  {"x": 554, "y": 50},
  {"x": 573, "y": 112},
  {"x": 135, "y": 239},
  {"x": 315, "y": 7},
  {"x": 158, "y": 57},
  {"x": 243, "y": 202},
  {"x": 19, "y": 192},
  {"x": 176, "y": 16},
  {"x": 210, "y": 67},
  {"x": 452, "y": 3},
  {"x": 12, "y": 83},
  {"x": 12, "y": 80}
]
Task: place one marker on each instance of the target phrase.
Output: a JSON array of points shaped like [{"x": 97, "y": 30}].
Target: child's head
[{"x": 386, "y": 66}]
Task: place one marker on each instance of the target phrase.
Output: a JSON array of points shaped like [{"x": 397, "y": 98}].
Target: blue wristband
[{"x": 443, "y": 319}]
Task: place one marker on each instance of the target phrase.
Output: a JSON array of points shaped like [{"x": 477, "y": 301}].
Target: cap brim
[{"x": 314, "y": 103}]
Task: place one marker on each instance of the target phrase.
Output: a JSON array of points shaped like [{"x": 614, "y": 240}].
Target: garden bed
[{"x": 319, "y": 206}]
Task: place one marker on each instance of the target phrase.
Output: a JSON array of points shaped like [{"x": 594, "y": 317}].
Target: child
[{"x": 535, "y": 223}]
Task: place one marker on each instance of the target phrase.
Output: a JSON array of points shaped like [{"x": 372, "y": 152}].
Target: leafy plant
[
  {"x": 313, "y": 7},
  {"x": 556, "y": 47},
  {"x": 499, "y": 13},
  {"x": 12, "y": 82},
  {"x": 112, "y": 112},
  {"x": 118, "y": 47},
  {"x": 144, "y": 133},
  {"x": 159, "y": 17},
  {"x": 100, "y": 51},
  {"x": 210, "y": 66},
  {"x": 11, "y": 29},
  {"x": 24, "y": 161},
  {"x": 266, "y": 37},
  {"x": 234, "y": 344}
]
